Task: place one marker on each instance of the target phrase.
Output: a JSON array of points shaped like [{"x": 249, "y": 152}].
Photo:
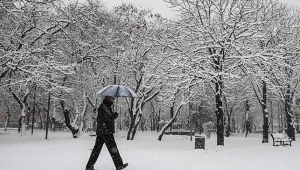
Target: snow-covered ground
[{"x": 145, "y": 152}]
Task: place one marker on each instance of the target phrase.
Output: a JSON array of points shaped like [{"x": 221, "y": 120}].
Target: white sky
[
  {"x": 159, "y": 6},
  {"x": 292, "y": 2}
]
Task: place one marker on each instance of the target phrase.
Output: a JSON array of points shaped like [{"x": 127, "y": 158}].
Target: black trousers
[{"x": 111, "y": 145}]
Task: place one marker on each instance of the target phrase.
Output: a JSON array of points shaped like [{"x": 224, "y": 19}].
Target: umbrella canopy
[{"x": 117, "y": 91}]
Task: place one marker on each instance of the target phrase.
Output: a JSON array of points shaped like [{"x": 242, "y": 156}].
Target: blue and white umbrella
[{"x": 117, "y": 91}]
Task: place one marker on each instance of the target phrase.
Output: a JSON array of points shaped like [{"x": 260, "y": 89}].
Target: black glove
[{"x": 116, "y": 115}]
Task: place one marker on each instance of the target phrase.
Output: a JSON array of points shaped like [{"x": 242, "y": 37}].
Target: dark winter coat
[{"x": 105, "y": 118}]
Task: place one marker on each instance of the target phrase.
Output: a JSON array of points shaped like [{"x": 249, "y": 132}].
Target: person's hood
[{"x": 107, "y": 102}]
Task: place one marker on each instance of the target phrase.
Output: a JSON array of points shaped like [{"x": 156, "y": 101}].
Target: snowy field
[{"x": 62, "y": 152}]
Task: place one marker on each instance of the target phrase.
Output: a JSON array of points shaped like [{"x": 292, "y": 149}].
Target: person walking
[{"x": 105, "y": 134}]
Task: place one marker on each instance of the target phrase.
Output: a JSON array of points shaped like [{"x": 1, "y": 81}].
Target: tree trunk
[
  {"x": 22, "y": 122},
  {"x": 171, "y": 116},
  {"x": 28, "y": 118},
  {"x": 33, "y": 110},
  {"x": 157, "y": 120},
  {"x": 219, "y": 114},
  {"x": 94, "y": 112},
  {"x": 23, "y": 104},
  {"x": 233, "y": 123},
  {"x": 53, "y": 119},
  {"x": 217, "y": 59},
  {"x": 134, "y": 110},
  {"x": 228, "y": 121},
  {"x": 48, "y": 116},
  {"x": 279, "y": 117},
  {"x": 66, "y": 111},
  {"x": 247, "y": 122},
  {"x": 135, "y": 127},
  {"x": 272, "y": 117},
  {"x": 41, "y": 117},
  {"x": 288, "y": 112},
  {"x": 7, "y": 121},
  {"x": 82, "y": 114},
  {"x": 228, "y": 127},
  {"x": 161, "y": 133},
  {"x": 133, "y": 118},
  {"x": 22, "y": 119},
  {"x": 265, "y": 114}
]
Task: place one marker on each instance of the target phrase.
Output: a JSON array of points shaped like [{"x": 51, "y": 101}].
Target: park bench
[
  {"x": 179, "y": 133},
  {"x": 281, "y": 139}
]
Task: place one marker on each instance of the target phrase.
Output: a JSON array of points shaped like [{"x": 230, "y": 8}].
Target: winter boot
[
  {"x": 90, "y": 168},
  {"x": 75, "y": 133},
  {"x": 122, "y": 166}
]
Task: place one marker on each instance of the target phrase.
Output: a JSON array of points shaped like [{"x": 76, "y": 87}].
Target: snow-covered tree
[{"x": 213, "y": 35}]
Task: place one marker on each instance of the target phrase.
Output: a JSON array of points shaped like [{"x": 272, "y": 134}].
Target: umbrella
[{"x": 117, "y": 91}]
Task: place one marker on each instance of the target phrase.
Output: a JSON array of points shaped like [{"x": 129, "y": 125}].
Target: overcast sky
[{"x": 159, "y": 6}]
